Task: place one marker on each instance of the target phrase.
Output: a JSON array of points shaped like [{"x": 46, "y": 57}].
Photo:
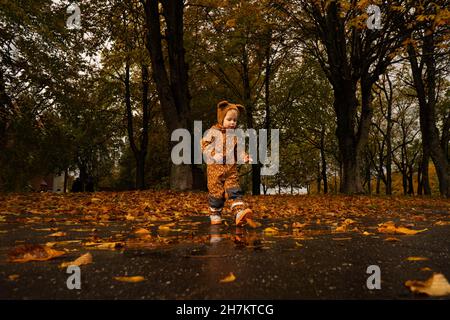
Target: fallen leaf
[
  {"x": 61, "y": 243},
  {"x": 84, "y": 259},
  {"x": 105, "y": 245},
  {"x": 435, "y": 286},
  {"x": 142, "y": 231},
  {"x": 46, "y": 229},
  {"x": 166, "y": 227},
  {"x": 342, "y": 228},
  {"x": 417, "y": 259},
  {"x": 33, "y": 252},
  {"x": 270, "y": 231},
  {"x": 57, "y": 234},
  {"x": 442, "y": 223},
  {"x": 229, "y": 278},
  {"x": 390, "y": 227},
  {"x": 392, "y": 239},
  {"x": 298, "y": 225},
  {"x": 130, "y": 279}
]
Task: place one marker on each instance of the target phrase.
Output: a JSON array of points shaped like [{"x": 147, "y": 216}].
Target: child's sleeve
[{"x": 206, "y": 141}]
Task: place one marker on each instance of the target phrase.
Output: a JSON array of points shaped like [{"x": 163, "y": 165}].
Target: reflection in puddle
[{"x": 242, "y": 237}]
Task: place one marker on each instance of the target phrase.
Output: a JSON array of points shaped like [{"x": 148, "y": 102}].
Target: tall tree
[
  {"x": 351, "y": 54},
  {"x": 425, "y": 56},
  {"x": 171, "y": 80}
]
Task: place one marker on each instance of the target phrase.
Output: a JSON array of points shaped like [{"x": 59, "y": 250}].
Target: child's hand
[{"x": 247, "y": 158}]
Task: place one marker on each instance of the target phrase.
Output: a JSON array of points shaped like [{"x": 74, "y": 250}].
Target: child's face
[{"x": 230, "y": 120}]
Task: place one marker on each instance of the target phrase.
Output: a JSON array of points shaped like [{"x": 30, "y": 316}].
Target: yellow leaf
[
  {"x": 105, "y": 245},
  {"x": 130, "y": 279},
  {"x": 84, "y": 259},
  {"x": 142, "y": 231},
  {"x": 389, "y": 227},
  {"x": 342, "y": 228},
  {"x": 298, "y": 225},
  {"x": 57, "y": 234},
  {"x": 435, "y": 286},
  {"x": 349, "y": 221},
  {"x": 13, "y": 277},
  {"x": 229, "y": 278},
  {"x": 442, "y": 223},
  {"x": 416, "y": 259},
  {"x": 166, "y": 227},
  {"x": 271, "y": 231},
  {"x": 392, "y": 239}
]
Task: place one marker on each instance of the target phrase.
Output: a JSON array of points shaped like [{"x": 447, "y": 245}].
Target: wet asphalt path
[{"x": 189, "y": 261}]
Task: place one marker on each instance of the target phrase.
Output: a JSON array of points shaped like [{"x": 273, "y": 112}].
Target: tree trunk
[
  {"x": 324, "y": 161},
  {"x": 410, "y": 179},
  {"x": 425, "y": 179},
  {"x": 377, "y": 189},
  {"x": 318, "y": 179},
  {"x": 345, "y": 106},
  {"x": 172, "y": 85},
  {"x": 389, "y": 147},
  {"x": 426, "y": 94},
  {"x": 256, "y": 168},
  {"x": 66, "y": 176},
  {"x": 419, "y": 180},
  {"x": 83, "y": 175}
]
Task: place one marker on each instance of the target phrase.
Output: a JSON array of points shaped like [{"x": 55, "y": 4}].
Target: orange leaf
[
  {"x": 130, "y": 279},
  {"x": 84, "y": 259},
  {"x": 390, "y": 227},
  {"x": 33, "y": 252},
  {"x": 435, "y": 286},
  {"x": 57, "y": 234},
  {"x": 229, "y": 278},
  {"x": 142, "y": 231},
  {"x": 417, "y": 259}
]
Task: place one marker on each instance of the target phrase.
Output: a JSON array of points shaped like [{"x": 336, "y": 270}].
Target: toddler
[{"x": 223, "y": 178}]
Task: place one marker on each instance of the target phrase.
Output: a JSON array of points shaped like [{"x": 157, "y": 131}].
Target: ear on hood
[
  {"x": 222, "y": 104},
  {"x": 240, "y": 108}
]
